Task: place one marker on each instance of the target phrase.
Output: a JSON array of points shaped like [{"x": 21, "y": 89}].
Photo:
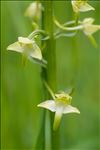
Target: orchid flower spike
[
  {"x": 27, "y": 47},
  {"x": 60, "y": 105},
  {"x": 34, "y": 11},
  {"x": 81, "y": 6}
]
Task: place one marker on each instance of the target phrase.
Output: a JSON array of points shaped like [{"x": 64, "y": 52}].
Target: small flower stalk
[{"x": 60, "y": 105}]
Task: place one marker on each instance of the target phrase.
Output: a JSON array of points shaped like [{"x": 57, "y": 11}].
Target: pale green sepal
[
  {"x": 34, "y": 11},
  {"x": 88, "y": 21},
  {"x": 89, "y": 30},
  {"x": 15, "y": 47},
  {"x": 57, "y": 118},
  {"x": 81, "y": 6},
  {"x": 49, "y": 104},
  {"x": 25, "y": 40},
  {"x": 36, "y": 53},
  {"x": 70, "y": 109}
]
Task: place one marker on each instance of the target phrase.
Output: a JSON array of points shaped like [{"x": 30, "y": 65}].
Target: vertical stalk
[{"x": 49, "y": 74}]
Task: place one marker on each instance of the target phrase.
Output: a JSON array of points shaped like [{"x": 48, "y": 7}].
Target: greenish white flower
[
  {"x": 60, "y": 105},
  {"x": 88, "y": 27},
  {"x": 81, "y": 6},
  {"x": 27, "y": 47},
  {"x": 34, "y": 11}
]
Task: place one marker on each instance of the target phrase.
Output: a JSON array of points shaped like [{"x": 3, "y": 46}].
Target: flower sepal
[{"x": 81, "y": 6}]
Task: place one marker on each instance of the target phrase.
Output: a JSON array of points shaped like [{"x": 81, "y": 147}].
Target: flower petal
[
  {"x": 34, "y": 10},
  {"x": 58, "y": 116},
  {"x": 88, "y": 21},
  {"x": 81, "y": 6},
  {"x": 49, "y": 104},
  {"x": 86, "y": 7},
  {"x": 91, "y": 29},
  {"x": 36, "y": 52},
  {"x": 15, "y": 47},
  {"x": 25, "y": 40},
  {"x": 70, "y": 109}
]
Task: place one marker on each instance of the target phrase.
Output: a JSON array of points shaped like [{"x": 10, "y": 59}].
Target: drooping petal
[
  {"x": 15, "y": 47},
  {"x": 81, "y": 6},
  {"x": 89, "y": 30},
  {"x": 36, "y": 52},
  {"x": 49, "y": 104},
  {"x": 58, "y": 116},
  {"x": 70, "y": 109},
  {"x": 88, "y": 21},
  {"x": 86, "y": 7}
]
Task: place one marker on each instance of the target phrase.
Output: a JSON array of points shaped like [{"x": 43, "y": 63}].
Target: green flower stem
[
  {"x": 75, "y": 59},
  {"x": 37, "y": 32},
  {"x": 76, "y": 18},
  {"x": 49, "y": 54},
  {"x": 40, "y": 144},
  {"x": 49, "y": 90}
]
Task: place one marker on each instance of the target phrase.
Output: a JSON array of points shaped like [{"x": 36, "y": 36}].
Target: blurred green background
[{"x": 21, "y": 88}]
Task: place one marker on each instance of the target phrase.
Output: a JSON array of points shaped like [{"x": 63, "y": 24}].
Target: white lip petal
[
  {"x": 15, "y": 47},
  {"x": 49, "y": 104},
  {"x": 70, "y": 109},
  {"x": 58, "y": 116}
]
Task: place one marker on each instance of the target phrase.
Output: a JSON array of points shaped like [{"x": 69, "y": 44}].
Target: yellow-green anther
[{"x": 81, "y": 6}]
